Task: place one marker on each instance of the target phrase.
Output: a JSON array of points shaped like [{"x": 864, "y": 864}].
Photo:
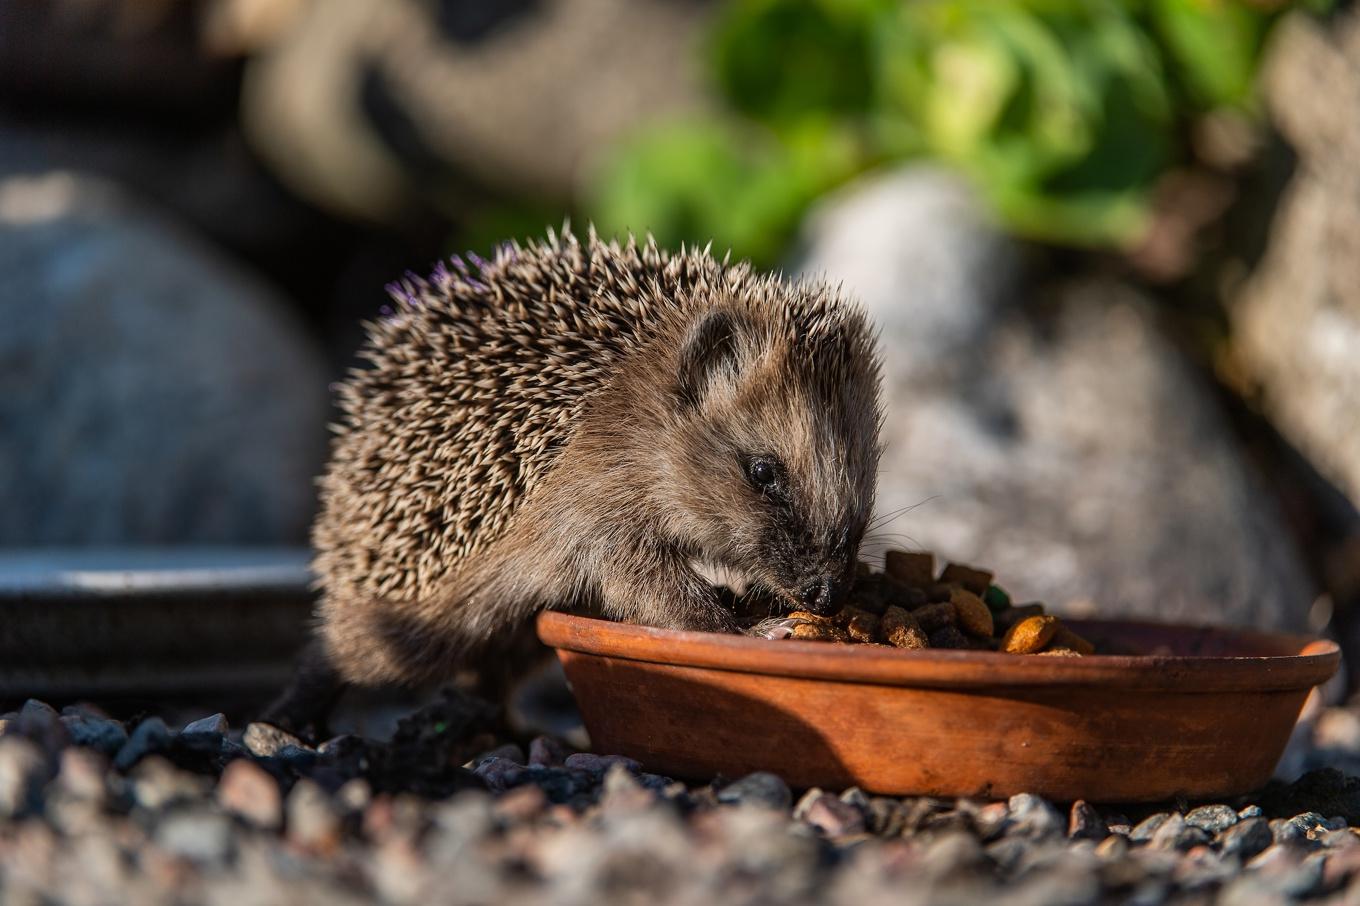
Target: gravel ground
[{"x": 93, "y": 810}]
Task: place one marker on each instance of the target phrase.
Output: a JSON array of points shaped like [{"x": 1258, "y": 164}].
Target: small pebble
[
  {"x": 1175, "y": 834},
  {"x": 1246, "y": 838},
  {"x": 196, "y": 834},
  {"x": 598, "y": 764},
  {"x": 1085, "y": 823},
  {"x": 82, "y": 774},
  {"x": 99, "y": 733},
  {"x": 1213, "y": 819},
  {"x": 23, "y": 769},
  {"x": 521, "y": 804},
  {"x": 1143, "y": 831},
  {"x": 620, "y": 792},
  {"x": 884, "y": 817},
  {"x": 313, "y": 821},
  {"x": 157, "y": 784},
  {"x": 547, "y": 751},
  {"x": 149, "y": 737},
  {"x": 510, "y": 752},
  {"x": 1113, "y": 847},
  {"x": 829, "y": 814},
  {"x": 1033, "y": 817},
  {"x": 266, "y": 739},
  {"x": 991, "y": 820},
  {"x": 499, "y": 773},
  {"x": 247, "y": 791},
  {"x": 760, "y": 789},
  {"x": 216, "y": 723}
]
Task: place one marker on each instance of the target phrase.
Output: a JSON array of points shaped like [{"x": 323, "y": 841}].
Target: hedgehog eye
[{"x": 763, "y": 473}]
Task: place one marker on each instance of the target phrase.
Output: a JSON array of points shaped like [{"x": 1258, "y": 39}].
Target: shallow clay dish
[{"x": 1188, "y": 711}]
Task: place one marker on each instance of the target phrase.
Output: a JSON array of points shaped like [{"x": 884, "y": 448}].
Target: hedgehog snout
[{"x": 824, "y": 594}]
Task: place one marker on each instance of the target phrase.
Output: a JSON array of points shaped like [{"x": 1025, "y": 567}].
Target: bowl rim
[{"x": 1317, "y": 659}]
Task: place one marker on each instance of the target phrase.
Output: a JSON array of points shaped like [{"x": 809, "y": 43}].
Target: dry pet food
[{"x": 909, "y": 605}]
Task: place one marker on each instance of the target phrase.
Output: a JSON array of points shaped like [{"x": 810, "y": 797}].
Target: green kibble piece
[{"x": 996, "y": 599}]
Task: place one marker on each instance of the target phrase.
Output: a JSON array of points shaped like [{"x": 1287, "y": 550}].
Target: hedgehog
[{"x": 587, "y": 424}]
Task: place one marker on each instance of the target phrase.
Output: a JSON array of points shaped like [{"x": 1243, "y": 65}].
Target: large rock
[
  {"x": 375, "y": 107},
  {"x": 150, "y": 392},
  {"x": 1296, "y": 327},
  {"x": 1056, "y": 435}
]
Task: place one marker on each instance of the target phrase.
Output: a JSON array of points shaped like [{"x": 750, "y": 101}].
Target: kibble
[
  {"x": 1029, "y": 636},
  {"x": 975, "y": 580},
  {"x": 900, "y": 629},
  {"x": 908, "y": 606},
  {"x": 917, "y": 570},
  {"x": 819, "y": 632},
  {"x": 971, "y": 614},
  {"x": 934, "y": 616}
]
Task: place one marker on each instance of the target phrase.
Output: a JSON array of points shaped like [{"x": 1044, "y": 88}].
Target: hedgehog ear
[{"x": 713, "y": 346}]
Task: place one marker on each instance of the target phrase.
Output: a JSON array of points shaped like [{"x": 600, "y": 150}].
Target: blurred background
[{"x": 1113, "y": 249}]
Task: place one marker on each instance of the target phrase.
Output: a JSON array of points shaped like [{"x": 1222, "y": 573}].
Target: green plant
[{"x": 1062, "y": 113}]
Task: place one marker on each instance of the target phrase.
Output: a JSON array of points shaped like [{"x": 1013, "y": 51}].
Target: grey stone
[
  {"x": 568, "y": 86},
  {"x": 1203, "y": 868},
  {"x": 1299, "y": 829},
  {"x": 500, "y": 773},
  {"x": 952, "y": 855},
  {"x": 760, "y": 788},
  {"x": 102, "y": 734},
  {"x": 313, "y": 820},
  {"x": 268, "y": 740},
  {"x": 1085, "y": 823},
  {"x": 598, "y": 764},
  {"x": 510, "y": 752},
  {"x": 40, "y": 722},
  {"x": 149, "y": 737},
  {"x": 81, "y": 774},
  {"x": 1250, "y": 811},
  {"x": 991, "y": 820},
  {"x": 1007, "y": 852},
  {"x": 1284, "y": 869},
  {"x": 214, "y": 724},
  {"x": 829, "y": 814},
  {"x": 547, "y": 751},
  {"x": 1176, "y": 834},
  {"x": 921, "y": 256},
  {"x": 884, "y": 817},
  {"x": 157, "y": 784},
  {"x": 1033, "y": 817},
  {"x": 620, "y": 792},
  {"x": 1296, "y": 323},
  {"x": 196, "y": 834},
  {"x": 1143, "y": 830},
  {"x": 1113, "y": 847},
  {"x": 1212, "y": 818},
  {"x": 197, "y": 414},
  {"x": 997, "y": 394},
  {"x": 1246, "y": 838},
  {"x": 246, "y": 790},
  {"x": 23, "y": 769}
]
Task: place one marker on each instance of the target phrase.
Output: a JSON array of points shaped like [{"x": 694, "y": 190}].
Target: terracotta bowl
[{"x": 1187, "y": 711}]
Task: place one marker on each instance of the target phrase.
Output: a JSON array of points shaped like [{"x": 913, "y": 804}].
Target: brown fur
[{"x": 568, "y": 424}]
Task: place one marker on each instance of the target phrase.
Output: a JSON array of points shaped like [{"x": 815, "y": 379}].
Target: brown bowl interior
[{"x": 1183, "y": 710}]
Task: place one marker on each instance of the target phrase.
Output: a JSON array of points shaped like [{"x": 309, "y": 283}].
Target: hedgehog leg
[
  {"x": 304, "y": 706},
  {"x": 662, "y": 590}
]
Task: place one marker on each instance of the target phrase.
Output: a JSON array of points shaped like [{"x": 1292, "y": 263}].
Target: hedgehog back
[{"x": 474, "y": 384}]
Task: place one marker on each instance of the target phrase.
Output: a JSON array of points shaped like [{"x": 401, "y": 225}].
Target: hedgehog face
[{"x": 771, "y": 475}]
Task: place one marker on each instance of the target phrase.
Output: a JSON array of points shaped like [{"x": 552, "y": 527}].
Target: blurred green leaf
[
  {"x": 1063, "y": 113},
  {"x": 741, "y": 189},
  {"x": 780, "y": 60},
  {"x": 1213, "y": 46}
]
